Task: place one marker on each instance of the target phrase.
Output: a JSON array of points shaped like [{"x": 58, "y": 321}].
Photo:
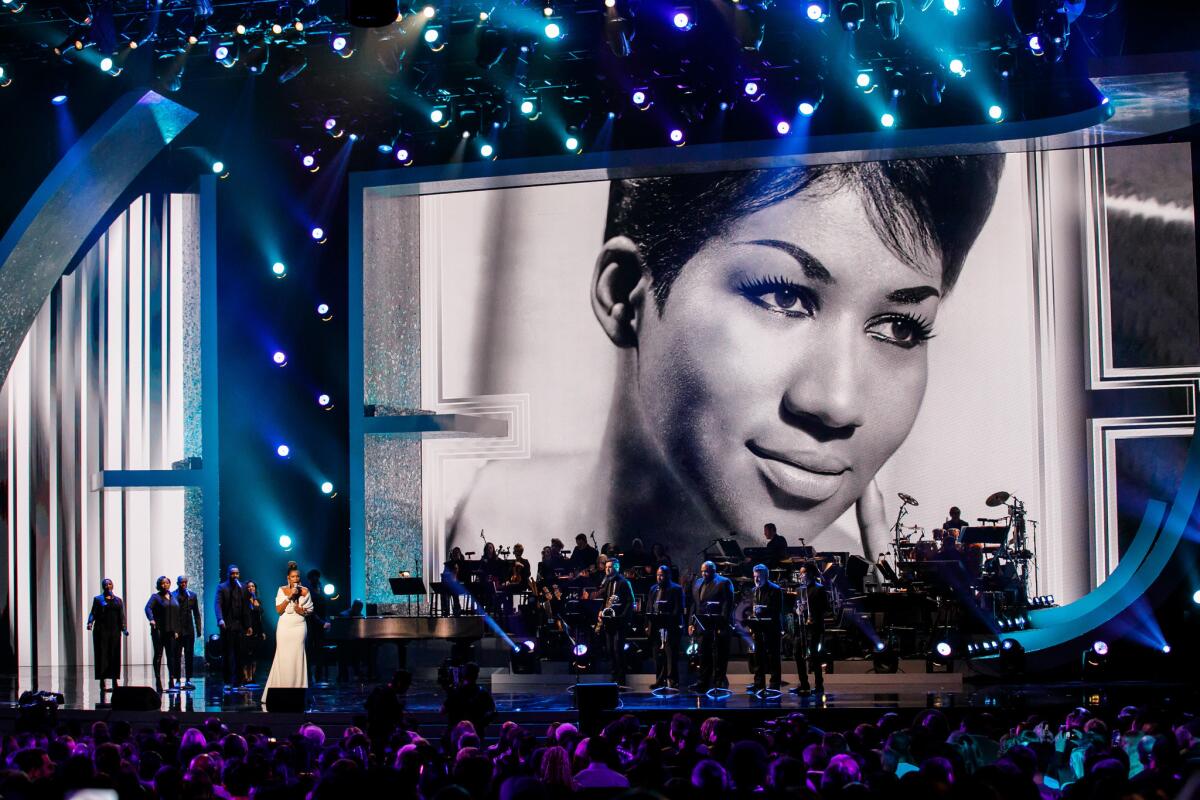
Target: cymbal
[
  {"x": 997, "y": 499},
  {"x": 907, "y": 499}
]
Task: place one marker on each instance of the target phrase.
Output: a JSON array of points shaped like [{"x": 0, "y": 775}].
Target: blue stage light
[
  {"x": 552, "y": 30},
  {"x": 572, "y": 144},
  {"x": 863, "y": 80},
  {"x": 887, "y": 120},
  {"x": 953, "y": 6},
  {"x": 1196, "y": 597},
  {"x": 317, "y": 234},
  {"x": 339, "y": 43},
  {"x": 428, "y": 11},
  {"x": 218, "y": 167},
  {"x": 279, "y": 269},
  {"x": 880, "y": 647},
  {"x": 221, "y": 53},
  {"x": 486, "y": 150},
  {"x": 529, "y": 644},
  {"x": 676, "y": 136},
  {"x": 958, "y": 67},
  {"x": 58, "y": 99},
  {"x": 437, "y": 116},
  {"x": 751, "y": 88},
  {"x": 285, "y": 541},
  {"x": 384, "y": 148},
  {"x": 783, "y": 127},
  {"x": 106, "y": 64},
  {"x": 330, "y": 124},
  {"x": 527, "y": 107},
  {"x": 1035, "y": 45},
  {"x": 329, "y": 589},
  {"x": 1100, "y": 647},
  {"x": 326, "y": 488},
  {"x": 5, "y": 80},
  {"x": 1166, "y": 648},
  {"x": 580, "y": 650},
  {"x": 322, "y": 309},
  {"x": 279, "y": 357},
  {"x": 815, "y": 12},
  {"x": 283, "y": 451},
  {"x": 432, "y": 35},
  {"x": 995, "y": 113},
  {"x": 806, "y": 108},
  {"x": 944, "y": 649},
  {"x": 324, "y": 400},
  {"x": 640, "y": 98},
  {"x": 682, "y": 20}
]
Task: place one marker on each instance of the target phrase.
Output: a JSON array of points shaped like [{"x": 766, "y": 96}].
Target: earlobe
[{"x": 619, "y": 289}]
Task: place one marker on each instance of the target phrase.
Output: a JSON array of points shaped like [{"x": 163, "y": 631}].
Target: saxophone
[{"x": 606, "y": 612}]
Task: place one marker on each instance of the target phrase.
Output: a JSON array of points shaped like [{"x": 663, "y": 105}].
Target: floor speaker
[
  {"x": 135, "y": 698},
  {"x": 287, "y": 701}
]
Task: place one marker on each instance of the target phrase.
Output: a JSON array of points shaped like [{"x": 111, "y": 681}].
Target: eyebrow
[
  {"x": 912, "y": 295},
  {"x": 813, "y": 269}
]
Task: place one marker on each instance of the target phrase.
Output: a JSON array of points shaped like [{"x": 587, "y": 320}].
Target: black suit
[
  {"x": 768, "y": 606},
  {"x": 233, "y": 615},
  {"x": 776, "y": 548},
  {"x": 163, "y": 612},
  {"x": 808, "y": 644},
  {"x": 618, "y": 595},
  {"x": 666, "y": 626},
  {"x": 191, "y": 625},
  {"x": 712, "y": 603}
]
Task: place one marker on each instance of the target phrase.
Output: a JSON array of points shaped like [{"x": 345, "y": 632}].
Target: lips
[{"x": 803, "y": 476}]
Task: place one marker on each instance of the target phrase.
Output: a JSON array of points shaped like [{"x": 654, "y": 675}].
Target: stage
[{"x": 536, "y": 700}]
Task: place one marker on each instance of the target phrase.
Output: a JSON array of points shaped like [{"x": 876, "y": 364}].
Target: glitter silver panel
[
  {"x": 391, "y": 301},
  {"x": 392, "y": 511},
  {"x": 193, "y": 547},
  {"x": 189, "y": 274}
]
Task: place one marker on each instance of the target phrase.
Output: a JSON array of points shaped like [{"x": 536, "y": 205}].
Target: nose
[{"x": 825, "y": 391}]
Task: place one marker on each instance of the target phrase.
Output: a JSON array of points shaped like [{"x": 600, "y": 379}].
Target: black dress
[{"x": 107, "y": 619}]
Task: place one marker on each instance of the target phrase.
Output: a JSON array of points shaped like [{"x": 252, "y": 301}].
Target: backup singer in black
[
  {"x": 108, "y": 624},
  {"x": 810, "y": 629},
  {"x": 191, "y": 625},
  {"x": 162, "y": 610},
  {"x": 617, "y": 593},
  {"x": 664, "y": 610},
  {"x": 767, "y": 629},
  {"x": 712, "y": 608},
  {"x": 233, "y": 616}
]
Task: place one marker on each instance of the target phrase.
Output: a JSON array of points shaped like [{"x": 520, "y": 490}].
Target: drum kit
[{"x": 996, "y": 552}]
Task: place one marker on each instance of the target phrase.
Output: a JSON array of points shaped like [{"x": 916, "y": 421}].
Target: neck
[{"x": 634, "y": 475}]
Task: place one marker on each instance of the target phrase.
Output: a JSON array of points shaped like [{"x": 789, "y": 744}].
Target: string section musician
[
  {"x": 664, "y": 612},
  {"x": 766, "y": 625},
  {"x": 617, "y": 594},
  {"x": 812, "y": 604},
  {"x": 712, "y": 609}
]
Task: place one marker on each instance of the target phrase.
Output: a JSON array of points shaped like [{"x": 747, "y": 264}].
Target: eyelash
[{"x": 754, "y": 289}]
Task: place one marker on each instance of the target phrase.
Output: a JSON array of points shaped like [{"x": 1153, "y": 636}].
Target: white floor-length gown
[{"x": 289, "y": 670}]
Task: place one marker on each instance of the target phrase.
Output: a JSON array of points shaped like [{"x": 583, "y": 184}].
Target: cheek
[{"x": 892, "y": 391}]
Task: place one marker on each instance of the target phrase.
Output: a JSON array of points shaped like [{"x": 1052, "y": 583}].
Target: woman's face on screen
[{"x": 789, "y": 362}]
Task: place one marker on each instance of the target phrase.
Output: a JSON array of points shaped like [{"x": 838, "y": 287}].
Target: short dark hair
[
  {"x": 770, "y": 526},
  {"x": 926, "y": 206}
]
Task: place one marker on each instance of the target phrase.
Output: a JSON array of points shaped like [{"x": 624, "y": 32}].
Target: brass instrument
[{"x": 605, "y": 613}]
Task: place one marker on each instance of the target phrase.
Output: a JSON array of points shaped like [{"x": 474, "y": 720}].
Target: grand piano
[{"x": 403, "y": 629}]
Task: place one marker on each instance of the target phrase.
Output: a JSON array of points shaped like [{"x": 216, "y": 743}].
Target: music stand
[
  {"x": 983, "y": 534},
  {"x": 888, "y": 572},
  {"x": 408, "y": 586}
]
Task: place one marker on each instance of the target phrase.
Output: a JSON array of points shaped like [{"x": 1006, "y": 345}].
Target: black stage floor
[{"x": 341, "y": 704}]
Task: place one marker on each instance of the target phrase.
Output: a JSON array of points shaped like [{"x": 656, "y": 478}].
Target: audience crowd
[{"x": 927, "y": 754}]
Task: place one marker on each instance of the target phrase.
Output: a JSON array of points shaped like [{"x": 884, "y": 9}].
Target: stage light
[
  {"x": 1035, "y": 45},
  {"x": 552, "y": 30},
  {"x": 221, "y": 53},
  {"x": 889, "y": 14},
  {"x": 432, "y": 35},
  {"x": 1196, "y": 597},
  {"x": 815, "y": 12},
  {"x": 486, "y": 150},
  {"x": 580, "y": 650},
  {"x": 324, "y": 400},
  {"x": 429, "y": 11},
  {"x": 851, "y": 14},
  {"x": 309, "y": 162},
  {"x": 1166, "y": 648},
  {"x": 610, "y": 3},
  {"x": 887, "y": 120},
  {"x": 995, "y": 113},
  {"x": 106, "y": 64},
  {"x": 279, "y": 357},
  {"x": 439, "y": 117},
  {"x": 880, "y": 647},
  {"x": 783, "y": 127},
  {"x": 318, "y": 234},
  {"x": 528, "y": 107},
  {"x": 958, "y": 67},
  {"x": 750, "y": 88},
  {"x": 682, "y": 20},
  {"x": 331, "y": 124},
  {"x": 806, "y": 108},
  {"x": 341, "y": 45},
  {"x": 338, "y": 43},
  {"x": 885, "y": 660},
  {"x": 384, "y": 148},
  {"x": 285, "y": 541},
  {"x": 276, "y": 29},
  {"x": 863, "y": 80},
  {"x": 326, "y": 488},
  {"x": 329, "y": 589},
  {"x": 402, "y": 155},
  {"x": 953, "y": 6},
  {"x": 322, "y": 309},
  {"x": 944, "y": 649},
  {"x": 218, "y": 167},
  {"x": 572, "y": 144},
  {"x": 240, "y": 29},
  {"x": 5, "y": 78},
  {"x": 283, "y": 451},
  {"x": 279, "y": 269},
  {"x": 58, "y": 99},
  {"x": 641, "y": 99},
  {"x": 677, "y": 138}
]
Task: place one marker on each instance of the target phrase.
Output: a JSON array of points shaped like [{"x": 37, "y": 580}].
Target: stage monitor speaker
[
  {"x": 371, "y": 13},
  {"x": 135, "y": 698},
  {"x": 287, "y": 701},
  {"x": 593, "y": 699}
]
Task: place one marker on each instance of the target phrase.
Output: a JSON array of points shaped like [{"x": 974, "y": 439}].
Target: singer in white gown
[{"x": 290, "y": 667}]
